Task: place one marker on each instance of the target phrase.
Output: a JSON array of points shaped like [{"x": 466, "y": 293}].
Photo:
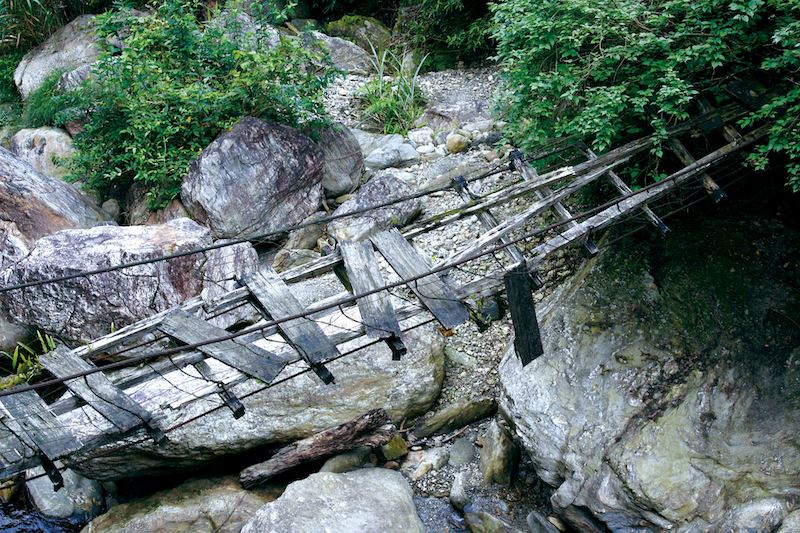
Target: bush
[
  {"x": 175, "y": 87},
  {"x": 603, "y": 70},
  {"x": 393, "y": 102}
]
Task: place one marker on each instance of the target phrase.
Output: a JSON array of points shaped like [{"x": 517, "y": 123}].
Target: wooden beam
[
  {"x": 376, "y": 309},
  {"x": 438, "y": 297},
  {"x": 711, "y": 187},
  {"x": 276, "y": 301}
]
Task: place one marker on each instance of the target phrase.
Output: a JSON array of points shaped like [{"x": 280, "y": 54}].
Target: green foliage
[
  {"x": 394, "y": 102},
  {"x": 177, "y": 85},
  {"x": 9, "y": 97},
  {"x": 22, "y": 364},
  {"x": 47, "y": 106},
  {"x": 602, "y": 70}
]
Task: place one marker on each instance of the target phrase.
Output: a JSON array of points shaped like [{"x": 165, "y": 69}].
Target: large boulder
[
  {"x": 254, "y": 179},
  {"x": 668, "y": 396},
  {"x": 215, "y": 505},
  {"x": 380, "y": 189},
  {"x": 373, "y": 500},
  {"x": 38, "y": 205},
  {"x": 344, "y": 55},
  {"x": 289, "y": 411},
  {"x": 73, "y": 45},
  {"x": 38, "y": 146},
  {"x": 85, "y": 308},
  {"x": 344, "y": 163},
  {"x": 77, "y": 502},
  {"x": 367, "y": 32}
]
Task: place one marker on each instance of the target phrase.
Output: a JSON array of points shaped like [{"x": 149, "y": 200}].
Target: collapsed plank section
[
  {"x": 275, "y": 301},
  {"x": 97, "y": 391},
  {"x": 440, "y": 299},
  {"x": 377, "y": 314}
]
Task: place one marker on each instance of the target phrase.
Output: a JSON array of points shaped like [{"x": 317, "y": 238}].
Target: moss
[{"x": 364, "y": 31}]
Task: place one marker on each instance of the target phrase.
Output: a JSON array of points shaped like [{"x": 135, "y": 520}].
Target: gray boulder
[
  {"x": 253, "y": 180},
  {"x": 38, "y": 146},
  {"x": 791, "y": 523},
  {"x": 344, "y": 163},
  {"x": 367, "y": 32},
  {"x": 38, "y": 205},
  {"x": 82, "y": 309},
  {"x": 290, "y": 411},
  {"x": 372, "y": 141},
  {"x": 73, "y": 45},
  {"x": 380, "y": 189},
  {"x": 392, "y": 156},
  {"x": 216, "y": 505},
  {"x": 78, "y": 501},
  {"x": 344, "y": 55},
  {"x": 663, "y": 398},
  {"x": 374, "y": 500},
  {"x": 72, "y": 79}
]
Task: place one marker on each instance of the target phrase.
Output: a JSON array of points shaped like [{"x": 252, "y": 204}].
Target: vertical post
[{"x": 527, "y": 338}]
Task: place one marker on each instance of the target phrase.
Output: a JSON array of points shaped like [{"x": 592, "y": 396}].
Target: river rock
[
  {"x": 345, "y": 56},
  {"x": 287, "y": 258},
  {"x": 254, "y": 179},
  {"x": 459, "y": 497},
  {"x": 290, "y": 411},
  {"x": 392, "y": 156},
  {"x": 539, "y": 524},
  {"x": 654, "y": 355},
  {"x": 347, "y": 462},
  {"x": 455, "y": 416},
  {"x": 497, "y": 455},
  {"x": 215, "y": 505},
  {"x": 383, "y": 187},
  {"x": 372, "y": 141},
  {"x": 791, "y": 523},
  {"x": 71, "y": 46},
  {"x": 421, "y": 136},
  {"x": 483, "y": 522},
  {"x": 344, "y": 163},
  {"x": 373, "y": 500},
  {"x": 306, "y": 238},
  {"x": 461, "y": 452},
  {"x": 38, "y": 205},
  {"x": 38, "y": 146},
  {"x": 456, "y": 143},
  {"x": 78, "y": 501},
  {"x": 367, "y": 32},
  {"x": 82, "y": 309}
]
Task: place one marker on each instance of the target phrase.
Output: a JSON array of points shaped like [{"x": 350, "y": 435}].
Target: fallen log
[{"x": 367, "y": 430}]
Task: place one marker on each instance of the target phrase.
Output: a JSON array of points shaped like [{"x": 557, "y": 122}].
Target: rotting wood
[
  {"x": 438, "y": 297},
  {"x": 246, "y": 358},
  {"x": 528, "y": 173},
  {"x": 368, "y": 430},
  {"x": 376, "y": 309},
  {"x": 711, "y": 186},
  {"x": 527, "y": 338},
  {"x": 623, "y": 188},
  {"x": 276, "y": 302},
  {"x": 97, "y": 391}
]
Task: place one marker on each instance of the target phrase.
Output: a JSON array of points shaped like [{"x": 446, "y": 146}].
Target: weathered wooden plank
[
  {"x": 730, "y": 133},
  {"x": 277, "y": 302},
  {"x": 623, "y": 188},
  {"x": 711, "y": 186},
  {"x": 246, "y": 358},
  {"x": 625, "y": 206},
  {"x": 528, "y": 173},
  {"x": 527, "y": 339},
  {"x": 39, "y": 425},
  {"x": 97, "y": 391},
  {"x": 437, "y": 296},
  {"x": 376, "y": 310}
]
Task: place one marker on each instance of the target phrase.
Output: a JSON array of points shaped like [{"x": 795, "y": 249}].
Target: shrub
[
  {"x": 393, "y": 102},
  {"x": 603, "y": 70},
  {"x": 176, "y": 85}
]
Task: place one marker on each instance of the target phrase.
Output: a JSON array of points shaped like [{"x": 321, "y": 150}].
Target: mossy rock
[{"x": 366, "y": 32}]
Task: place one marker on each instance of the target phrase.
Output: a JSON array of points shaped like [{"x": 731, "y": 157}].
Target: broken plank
[
  {"x": 376, "y": 310},
  {"x": 711, "y": 186},
  {"x": 39, "y": 425},
  {"x": 276, "y": 302},
  {"x": 226, "y": 395},
  {"x": 97, "y": 390},
  {"x": 527, "y": 338},
  {"x": 247, "y": 358},
  {"x": 623, "y": 188},
  {"x": 528, "y": 173},
  {"x": 438, "y": 297}
]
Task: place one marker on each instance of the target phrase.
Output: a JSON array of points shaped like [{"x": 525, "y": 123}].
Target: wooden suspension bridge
[{"x": 34, "y": 433}]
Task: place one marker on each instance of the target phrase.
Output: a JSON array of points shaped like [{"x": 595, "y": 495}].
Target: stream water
[{"x": 16, "y": 520}]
